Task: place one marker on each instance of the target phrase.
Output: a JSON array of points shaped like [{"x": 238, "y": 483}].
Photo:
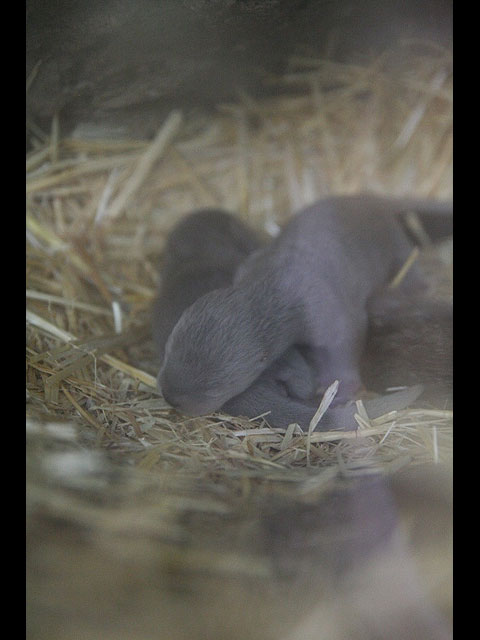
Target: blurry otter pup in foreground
[{"x": 308, "y": 288}]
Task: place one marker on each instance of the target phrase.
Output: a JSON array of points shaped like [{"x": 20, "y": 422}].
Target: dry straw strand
[{"x": 156, "y": 149}]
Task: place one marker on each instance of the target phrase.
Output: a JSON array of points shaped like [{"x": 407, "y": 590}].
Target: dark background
[{"x": 111, "y": 60}]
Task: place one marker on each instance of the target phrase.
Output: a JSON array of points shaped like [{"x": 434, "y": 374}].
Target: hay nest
[
  {"x": 104, "y": 452},
  {"x": 99, "y": 210}
]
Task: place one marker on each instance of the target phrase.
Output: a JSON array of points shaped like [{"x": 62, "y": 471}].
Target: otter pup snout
[{"x": 191, "y": 403}]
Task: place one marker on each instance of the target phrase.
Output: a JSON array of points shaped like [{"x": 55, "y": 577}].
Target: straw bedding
[{"x": 104, "y": 451}]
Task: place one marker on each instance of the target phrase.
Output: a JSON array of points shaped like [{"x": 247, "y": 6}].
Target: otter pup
[
  {"x": 202, "y": 253},
  {"x": 410, "y": 344},
  {"x": 309, "y": 287}
]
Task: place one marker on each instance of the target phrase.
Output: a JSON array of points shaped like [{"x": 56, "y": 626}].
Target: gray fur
[
  {"x": 283, "y": 411},
  {"x": 201, "y": 254},
  {"x": 309, "y": 287}
]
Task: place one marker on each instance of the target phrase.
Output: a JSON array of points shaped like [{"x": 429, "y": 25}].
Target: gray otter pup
[
  {"x": 202, "y": 253},
  {"x": 309, "y": 287}
]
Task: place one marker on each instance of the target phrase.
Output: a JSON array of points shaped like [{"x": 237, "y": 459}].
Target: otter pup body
[
  {"x": 192, "y": 267},
  {"x": 309, "y": 287},
  {"x": 202, "y": 254}
]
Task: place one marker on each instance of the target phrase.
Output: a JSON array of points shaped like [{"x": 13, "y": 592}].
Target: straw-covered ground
[{"x": 104, "y": 452}]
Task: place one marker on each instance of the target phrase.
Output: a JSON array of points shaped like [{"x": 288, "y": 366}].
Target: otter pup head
[{"x": 212, "y": 354}]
